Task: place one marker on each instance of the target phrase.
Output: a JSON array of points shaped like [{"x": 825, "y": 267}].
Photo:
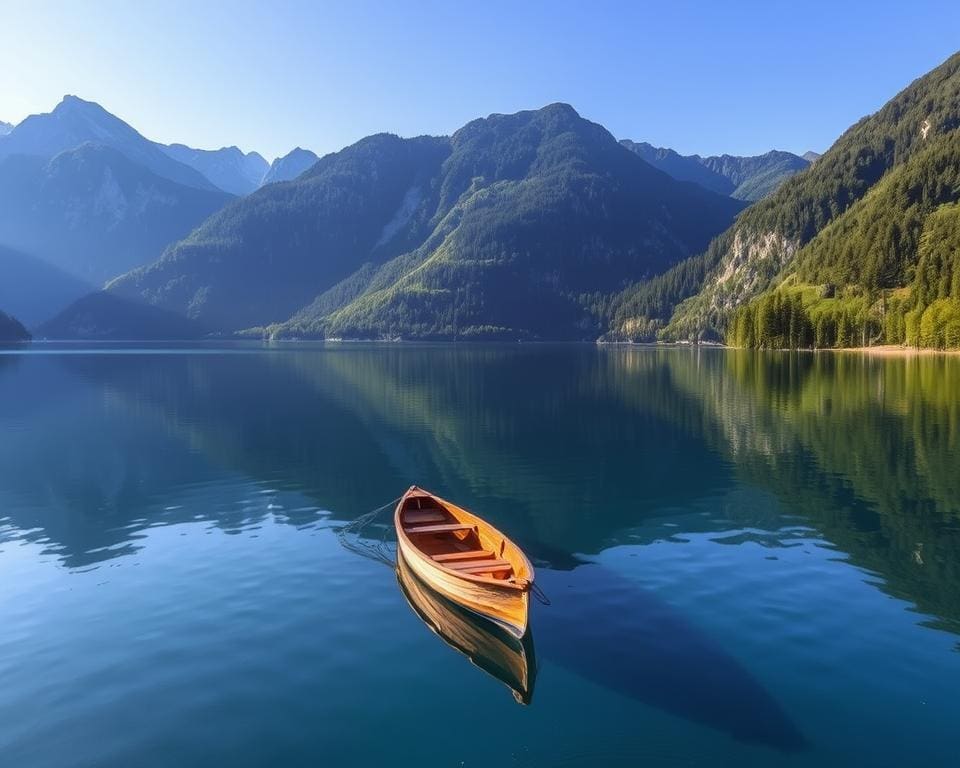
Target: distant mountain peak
[
  {"x": 559, "y": 108},
  {"x": 5, "y": 128},
  {"x": 75, "y": 121},
  {"x": 297, "y": 152},
  {"x": 810, "y": 156},
  {"x": 229, "y": 168},
  {"x": 74, "y": 105},
  {"x": 745, "y": 178},
  {"x": 291, "y": 165},
  {"x": 71, "y": 100}
]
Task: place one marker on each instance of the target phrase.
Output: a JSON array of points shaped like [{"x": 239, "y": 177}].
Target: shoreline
[{"x": 892, "y": 350}]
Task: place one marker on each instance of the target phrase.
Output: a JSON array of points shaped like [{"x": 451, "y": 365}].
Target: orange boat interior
[{"x": 455, "y": 545}]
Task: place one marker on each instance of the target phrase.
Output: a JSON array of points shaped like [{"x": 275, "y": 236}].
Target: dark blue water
[{"x": 752, "y": 559}]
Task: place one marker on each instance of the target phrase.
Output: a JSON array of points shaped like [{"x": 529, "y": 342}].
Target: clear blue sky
[{"x": 707, "y": 77}]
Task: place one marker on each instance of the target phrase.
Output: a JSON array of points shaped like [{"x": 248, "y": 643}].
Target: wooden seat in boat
[
  {"x": 492, "y": 566},
  {"x": 470, "y": 554},
  {"x": 427, "y": 516},
  {"x": 444, "y": 528}
]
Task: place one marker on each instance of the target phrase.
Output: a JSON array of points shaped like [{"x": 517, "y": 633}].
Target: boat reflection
[{"x": 486, "y": 644}]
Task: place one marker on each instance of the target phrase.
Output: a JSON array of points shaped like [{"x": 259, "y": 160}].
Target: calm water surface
[{"x": 752, "y": 559}]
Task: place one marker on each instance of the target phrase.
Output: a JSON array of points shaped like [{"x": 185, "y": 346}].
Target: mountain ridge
[
  {"x": 742, "y": 177},
  {"x": 228, "y": 168},
  {"x": 93, "y": 212},
  {"x": 288, "y": 167},
  {"x": 74, "y": 122},
  {"x": 505, "y": 201}
]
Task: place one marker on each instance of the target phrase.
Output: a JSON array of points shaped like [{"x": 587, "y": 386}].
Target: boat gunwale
[{"x": 511, "y": 586}]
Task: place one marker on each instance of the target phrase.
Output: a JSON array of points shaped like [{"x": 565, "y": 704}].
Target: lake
[{"x": 751, "y": 558}]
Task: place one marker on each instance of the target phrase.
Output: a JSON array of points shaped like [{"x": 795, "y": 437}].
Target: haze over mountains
[
  {"x": 84, "y": 197},
  {"x": 229, "y": 168},
  {"x": 93, "y": 212},
  {"x": 75, "y": 122},
  {"x": 5, "y": 128},
  {"x": 535, "y": 225}
]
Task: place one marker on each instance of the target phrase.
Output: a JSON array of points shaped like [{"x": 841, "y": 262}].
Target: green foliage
[
  {"x": 876, "y": 243},
  {"x": 776, "y": 321},
  {"x": 938, "y": 266},
  {"x": 802, "y": 317},
  {"x": 940, "y": 325}
]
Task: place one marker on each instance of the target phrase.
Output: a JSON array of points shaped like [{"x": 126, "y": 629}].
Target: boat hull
[
  {"x": 508, "y": 607},
  {"x": 487, "y": 644},
  {"x": 505, "y": 601}
]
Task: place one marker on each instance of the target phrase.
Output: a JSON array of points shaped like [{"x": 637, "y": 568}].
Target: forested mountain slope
[
  {"x": 542, "y": 216},
  {"x": 886, "y": 271},
  {"x": 762, "y": 246},
  {"x": 517, "y": 226}
]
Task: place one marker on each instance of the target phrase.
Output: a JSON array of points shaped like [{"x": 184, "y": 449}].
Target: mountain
[
  {"x": 11, "y": 329},
  {"x": 5, "y": 128},
  {"x": 288, "y": 167},
  {"x": 92, "y": 212},
  {"x": 74, "y": 122},
  {"x": 887, "y": 270},
  {"x": 542, "y": 215},
  {"x": 517, "y": 226},
  {"x": 874, "y": 210},
  {"x": 811, "y": 156},
  {"x": 229, "y": 168},
  {"x": 266, "y": 255},
  {"x": 756, "y": 177},
  {"x": 681, "y": 167},
  {"x": 745, "y": 178},
  {"x": 102, "y": 315},
  {"x": 34, "y": 290}
]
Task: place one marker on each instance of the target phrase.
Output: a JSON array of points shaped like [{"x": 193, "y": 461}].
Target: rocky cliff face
[{"x": 752, "y": 262}]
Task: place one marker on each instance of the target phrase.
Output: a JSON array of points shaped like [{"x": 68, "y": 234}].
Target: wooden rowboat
[
  {"x": 486, "y": 644},
  {"x": 464, "y": 558}
]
